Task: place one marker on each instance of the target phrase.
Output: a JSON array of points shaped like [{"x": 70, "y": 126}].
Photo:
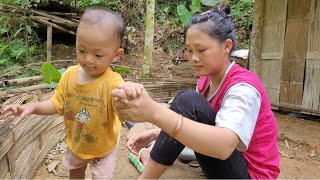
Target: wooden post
[
  {"x": 148, "y": 40},
  {"x": 256, "y": 36},
  {"x": 49, "y": 43}
]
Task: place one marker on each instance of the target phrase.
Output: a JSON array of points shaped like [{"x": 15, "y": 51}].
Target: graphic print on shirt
[
  {"x": 82, "y": 130},
  {"x": 83, "y": 116}
]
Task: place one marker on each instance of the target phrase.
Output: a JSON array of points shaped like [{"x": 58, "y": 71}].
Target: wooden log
[
  {"x": 19, "y": 81},
  {"x": 53, "y": 25},
  {"x": 22, "y": 90},
  {"x": 64, "y": 22}
]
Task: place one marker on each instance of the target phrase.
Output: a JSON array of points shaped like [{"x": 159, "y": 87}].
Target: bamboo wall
[{"x": 286, "y": 54}]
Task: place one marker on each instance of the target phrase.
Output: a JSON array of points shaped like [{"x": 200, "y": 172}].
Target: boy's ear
[{"x": 119, "y": 53}]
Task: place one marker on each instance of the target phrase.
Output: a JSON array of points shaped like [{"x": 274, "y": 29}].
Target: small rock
[
  {"x": 283, "y": 154},
  {"x": 312, "y": 153},
  {"x": 287, "y": 144},
  {"x": 187, "y": 155},
  {"x": 52, "y": 166}
]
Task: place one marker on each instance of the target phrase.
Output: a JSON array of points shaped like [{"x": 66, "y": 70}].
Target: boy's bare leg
[{"x": 78, "y": 173}]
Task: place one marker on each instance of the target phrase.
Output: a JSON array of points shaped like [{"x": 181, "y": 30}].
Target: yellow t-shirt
[{"x": 89, "y": 115}]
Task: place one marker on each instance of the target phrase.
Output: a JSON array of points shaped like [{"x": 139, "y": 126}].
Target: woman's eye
[
  {"x": 99, "y": 56},
  {"x": 81, "y": 51},
  {"x": 202, "y": 50}
]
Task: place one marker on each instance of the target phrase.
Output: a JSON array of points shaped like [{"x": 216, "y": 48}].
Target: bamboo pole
[
  {"x": 49, "y": 43},
  {"x": 148, "y": 39}
]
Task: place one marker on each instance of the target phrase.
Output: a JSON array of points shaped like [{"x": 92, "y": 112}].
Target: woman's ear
[
  {"x": 228, "y": 46},
  {"x": 119, "y": 53}
]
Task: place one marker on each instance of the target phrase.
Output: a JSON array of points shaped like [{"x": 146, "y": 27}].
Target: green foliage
[
  {"x": 122, "y": 70},
  {"x": 184, "y": 14},
  {"x": 101, "y": 3},
  {"x": 49, "y": 73},
  {"x": 242, "y": 12},
  {"x": 210, "y": 2}
]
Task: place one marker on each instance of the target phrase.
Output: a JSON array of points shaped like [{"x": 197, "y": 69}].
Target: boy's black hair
[{"x": 105, "y": 17}]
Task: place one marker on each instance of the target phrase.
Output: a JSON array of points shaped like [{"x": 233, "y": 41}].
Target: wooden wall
[{"x": 289, "y": 61}]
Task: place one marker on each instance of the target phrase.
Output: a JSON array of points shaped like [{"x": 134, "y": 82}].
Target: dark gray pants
[{"x": 194, "y": 106}]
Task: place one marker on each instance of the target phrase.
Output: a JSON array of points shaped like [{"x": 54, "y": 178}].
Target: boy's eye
[
  {"x": 202, "y": 50},
  {"x": 81, "y": 51},
  {"x": 99, "y": 56}
]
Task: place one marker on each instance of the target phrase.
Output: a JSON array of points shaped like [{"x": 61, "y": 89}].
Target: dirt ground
[{"x": 299, "y": 144}]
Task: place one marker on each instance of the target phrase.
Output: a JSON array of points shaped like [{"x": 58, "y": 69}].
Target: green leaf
[
  {"x": 184, "y": 14},
  {"x": 3, "y": 30},
  {"x": 246, "y": 1},
  {"x": 122, "y": 70},
  {"x": 210, "y": 2},
  {"x": 28, "y": 28},
  {"x": 195, "y": 6},
  {"x": 50, "y": 73}
]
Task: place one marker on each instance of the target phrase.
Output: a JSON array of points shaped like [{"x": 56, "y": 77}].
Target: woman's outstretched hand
[{"x": 140, "y": 108}]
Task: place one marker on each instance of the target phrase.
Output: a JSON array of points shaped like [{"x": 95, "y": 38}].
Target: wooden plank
[
  {"x": 314, "y": 30},
  {"x": 274, "y": 25},
  {"x": 313, "y": 54},
  {"x": 293, "y": 64},
  {"x": 272, "y": 55},
  {"x": 311, "y": 94},
  {"x": 270, "y": 76}
]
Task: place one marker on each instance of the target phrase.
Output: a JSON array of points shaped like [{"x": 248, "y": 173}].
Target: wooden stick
[
  {"x": 49, "y": 43},
  {"x": 25, "y": 80},
  {"x": 63, "y": 14}
]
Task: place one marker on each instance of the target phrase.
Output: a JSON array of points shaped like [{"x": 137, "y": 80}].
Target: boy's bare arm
[{"x": 45, "y": 107}]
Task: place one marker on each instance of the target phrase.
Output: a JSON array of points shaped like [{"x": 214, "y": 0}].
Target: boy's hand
[
  {"x": 16, "y": 110},
  {"x": 132, "y": 90}
]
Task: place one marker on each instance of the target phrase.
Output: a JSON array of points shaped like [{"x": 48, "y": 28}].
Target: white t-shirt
[{"x": 239, "y": 110}]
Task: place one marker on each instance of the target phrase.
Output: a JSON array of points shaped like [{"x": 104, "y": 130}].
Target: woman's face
[{"x": 206, "y": 55}]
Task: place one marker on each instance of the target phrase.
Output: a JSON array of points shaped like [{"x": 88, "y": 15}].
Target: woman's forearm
[{"x": 205, "y": 139}]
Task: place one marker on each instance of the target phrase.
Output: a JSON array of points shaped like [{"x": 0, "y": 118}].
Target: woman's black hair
[{"x": 217, "y": 23}]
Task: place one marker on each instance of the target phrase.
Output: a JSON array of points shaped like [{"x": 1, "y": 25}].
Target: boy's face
[{"x": 97, "y": 48}]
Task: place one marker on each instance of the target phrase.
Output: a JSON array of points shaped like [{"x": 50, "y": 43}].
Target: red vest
[{"x": 262, "y": 155}]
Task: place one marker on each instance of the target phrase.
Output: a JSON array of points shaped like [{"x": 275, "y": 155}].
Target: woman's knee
[{"x": 187, "y": 98}]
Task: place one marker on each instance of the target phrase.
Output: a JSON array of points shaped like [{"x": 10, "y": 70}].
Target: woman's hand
[
  {"x": 138, "y": 109},
  {"x": 142, "y": 139}
]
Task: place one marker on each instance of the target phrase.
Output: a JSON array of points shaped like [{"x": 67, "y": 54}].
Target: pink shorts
[{"x": 102, "y": 168}]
